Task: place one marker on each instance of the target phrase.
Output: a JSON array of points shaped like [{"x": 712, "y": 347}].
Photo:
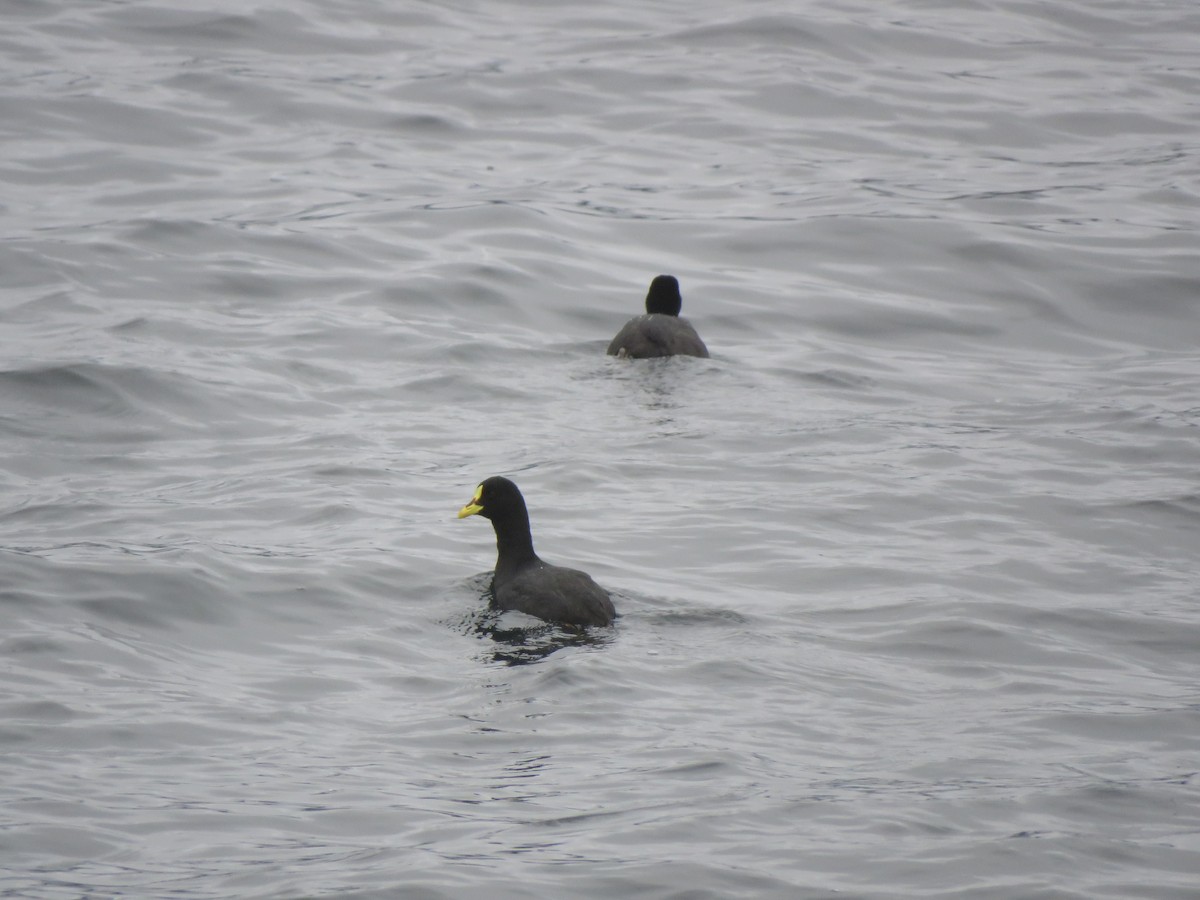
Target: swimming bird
[
  {"x": 661, "y": 332},
  {"x": 525, "y": 582}
]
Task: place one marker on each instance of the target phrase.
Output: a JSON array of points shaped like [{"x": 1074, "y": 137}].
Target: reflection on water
[{"x": 517, "y": 639}]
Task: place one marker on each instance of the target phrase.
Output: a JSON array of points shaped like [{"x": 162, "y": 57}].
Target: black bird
[
  {"x": 661, "y": 332},
  {"x": 522, "y": 580}
]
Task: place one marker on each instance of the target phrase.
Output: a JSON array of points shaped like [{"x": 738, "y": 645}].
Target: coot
[
  {"x": 661, "y": 332},
  {"x": 525, "y": 582}
]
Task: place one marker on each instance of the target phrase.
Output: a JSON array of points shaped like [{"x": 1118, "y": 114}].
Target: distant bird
[
  {"x": 661, "y": 332},
  {"x": 523, "y": 581}
]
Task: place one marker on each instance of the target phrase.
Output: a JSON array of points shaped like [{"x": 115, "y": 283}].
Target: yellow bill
[{"x": 474, "y": 506}]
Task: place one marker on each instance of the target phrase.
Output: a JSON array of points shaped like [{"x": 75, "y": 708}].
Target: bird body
[
  {"x": 522, "y": 580},
  {"x": 556, "y": 594},
  {"x": 654, "y": 335}
]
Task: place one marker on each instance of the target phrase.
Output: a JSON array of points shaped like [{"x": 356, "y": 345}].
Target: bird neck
[{"x": 514, "y": 543}]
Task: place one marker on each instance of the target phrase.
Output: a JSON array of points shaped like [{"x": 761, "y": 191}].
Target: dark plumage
[
  {"x": 661, "y": 332},
  {"x": 522, "y": 580}
]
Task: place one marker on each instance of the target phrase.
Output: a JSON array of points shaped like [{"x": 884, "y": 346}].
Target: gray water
[{"x": 907, "y": 572}]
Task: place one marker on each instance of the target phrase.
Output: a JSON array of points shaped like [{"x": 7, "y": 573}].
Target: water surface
[{"x": 907, "y": 570}]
